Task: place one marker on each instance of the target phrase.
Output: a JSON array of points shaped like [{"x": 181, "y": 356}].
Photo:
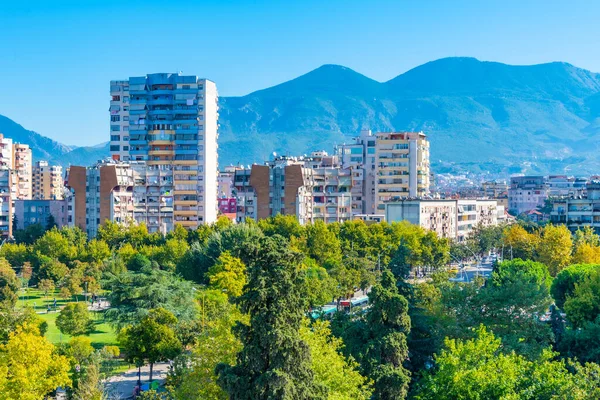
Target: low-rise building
[
  {"x": 453, "y": 219},
  {"x": 527, "y": 193},
  {"x": 30, "y": 212},
  {"x": 579, "y": 211}
]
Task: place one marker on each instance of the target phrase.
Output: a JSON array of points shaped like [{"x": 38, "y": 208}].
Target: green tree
[
  {"x": 9, "y": 285},
  {"x": 518, "y": 243},
  {"x": 193, "y": 375},
  {"x": 339, "y": 375},
  {"x": 139, "y": 262},
  {"x": 284, "y": 225},
  {"x": 320, "y": 287},
  {"x": 51, "y": 222},
  {"x": 387, "y": 350},
  {"x": 554, "y": 248},
  {"x": 584, "y": 305},
  {"x": 152, "y": 339},
  {"x": 53, "y": 269},
  {"x": 322, "y": 244},
  {"x": 274, "y": 362},
  {"x": 478, "y": 369},
  {"x": 228, "y": 274},
  {"x": 132, "y": 295},
  {"x": 97, "y": 251},
  {"x": 74, "y": 319},
  {"x": 112, "y": 233},
  {"x": 564, "y": 283},
  {"x": 29, "y": 235},
  {"x": 16, "y": 254},
  {"x": 29, "y": 366},
  {"x": 55, "y": 245},
  {"x": 46, "y": 286}
]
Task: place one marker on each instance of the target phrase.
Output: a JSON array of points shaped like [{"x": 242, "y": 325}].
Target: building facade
[
  {"x": 23, "y": 170},
  {"x": 453, "y": 219},
  {"x": 30, "y": 212},
  {"x": 282, "y": 186},
  {"x": 360, "y": 158},
  {"x": 402, "y": 165},
  {"x": 48, "y": 181},
  {"x": 527, "y": 193},
  {"x": 579, "y": 211},
  {"x": 171, "y": 119},
  {"x": 101, "y": 193}
]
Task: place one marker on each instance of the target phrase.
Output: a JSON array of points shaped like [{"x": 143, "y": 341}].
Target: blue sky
[{"x": 57, "y": 57}]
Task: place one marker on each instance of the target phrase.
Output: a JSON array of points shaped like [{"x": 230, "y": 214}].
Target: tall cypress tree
[
  {"x": 387, "y": 349},
  {"x": 274, "y": 362}
]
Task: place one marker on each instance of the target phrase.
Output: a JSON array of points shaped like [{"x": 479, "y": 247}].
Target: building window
[
  {"x": 126, "y": 128},
  {"x": 125, "y": 99},
  {"x": 115, "y": 148},
  {"x": 115, "y": 138},
  {"x": 115, "y": 128},
  {"x": 115, "y": 118},
  {"x": 126, "y": 118},
  {"x": 125, "y": 148}
]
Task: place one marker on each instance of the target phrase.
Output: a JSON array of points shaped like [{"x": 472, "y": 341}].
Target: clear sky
[{"x": 57, "y": 57}]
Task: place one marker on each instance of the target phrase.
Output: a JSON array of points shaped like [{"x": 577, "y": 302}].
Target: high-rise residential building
[
  {"x": 282, "y": 186},
  {"x": 402, "y": 165},
  {"x": 6, "y": 152},
  {"x": 171, "y": 120},
  {"x": 359, "y": 157},
  {"x": 153, "y": 196},
  {"x": 48, "y": 181},
  {"x": 6, "y": 200},
  {"x": 23, "y": 170},
  {"x": 101, "y": 193},
  {"x": 311, "y": 188},
  {"x": 333, "y": 197}
]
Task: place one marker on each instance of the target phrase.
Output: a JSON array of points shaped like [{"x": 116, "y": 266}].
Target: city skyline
[{"x": 72, "y": 51}]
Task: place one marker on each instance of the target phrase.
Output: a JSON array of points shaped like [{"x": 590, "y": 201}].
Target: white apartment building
[
  {"x": 453, "y": 219},
  {"x": 527, "y": 193}
]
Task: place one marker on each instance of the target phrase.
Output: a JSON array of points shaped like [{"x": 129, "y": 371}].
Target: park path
[{"x": 121, "y": 386}]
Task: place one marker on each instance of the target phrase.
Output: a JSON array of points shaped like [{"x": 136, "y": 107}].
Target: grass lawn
[{"x": 102, "y": 335}]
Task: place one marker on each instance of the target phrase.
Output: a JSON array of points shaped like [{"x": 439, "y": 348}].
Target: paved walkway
[{"x": 121, "y": 386}]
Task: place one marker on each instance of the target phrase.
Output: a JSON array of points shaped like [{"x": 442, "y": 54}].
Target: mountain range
[{"x": 479, "y": 116}]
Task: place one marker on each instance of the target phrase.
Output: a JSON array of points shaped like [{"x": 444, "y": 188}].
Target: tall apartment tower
[
  {"x": 48, "y": 181},
  {"x": 23, "y": 169},
  {"x": 360, "y": 158},
  {"x": 402, "y": 165},
  {"x": 7, "y": 186},
  {"x": 171, "y": 120}
]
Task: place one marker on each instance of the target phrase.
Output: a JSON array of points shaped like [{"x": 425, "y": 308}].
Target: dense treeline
[{"x": 229, "y": 304}]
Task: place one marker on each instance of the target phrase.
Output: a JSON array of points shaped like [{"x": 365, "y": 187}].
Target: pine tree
[
  {"x": 275, "y": 362},
  {"x": 387, "y": 350}
]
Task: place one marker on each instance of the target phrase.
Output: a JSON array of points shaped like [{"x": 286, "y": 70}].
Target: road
[{"x": 121, "y": 386}]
